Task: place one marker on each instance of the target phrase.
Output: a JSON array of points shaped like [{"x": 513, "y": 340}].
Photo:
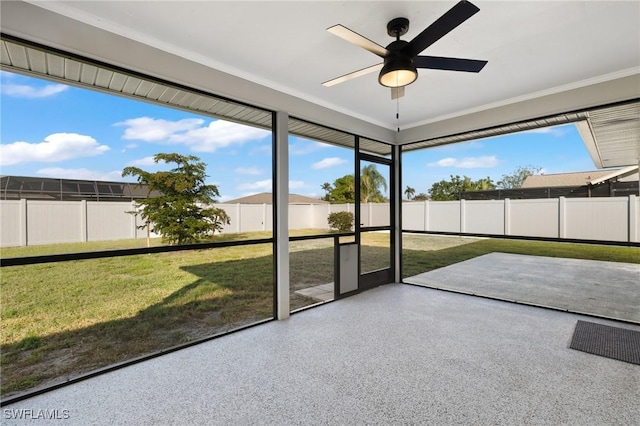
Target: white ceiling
[{"x": 533, "y": 48}]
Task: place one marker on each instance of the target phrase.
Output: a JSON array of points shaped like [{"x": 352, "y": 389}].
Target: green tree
[
  {"x": 370, "y": 182},
  {"x": 451, "y": 189},
  {"x": 180, "y": 211},
  {"x": 342, "y": 190},
  {"x": 518, "y": 176},
  {"x": 421, "y": 197},
  {"x": 409, "y": 192}
]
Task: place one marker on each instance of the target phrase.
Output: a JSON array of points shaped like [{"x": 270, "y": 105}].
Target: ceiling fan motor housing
[{"x": 399, "y": 69}]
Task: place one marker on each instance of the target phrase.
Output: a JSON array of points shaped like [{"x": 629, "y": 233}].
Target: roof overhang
[{"x": 612, "y": 135}]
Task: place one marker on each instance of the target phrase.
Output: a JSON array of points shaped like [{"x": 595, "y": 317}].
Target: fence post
[
  {"x": 134, "y": 221},
  {"x": 426, "y": 215},
  {"x": 562, "y": 213},
  {"x": 463, "y": 226},
  {"x": 507, "y": 216},
  {"x": 24, "y": 240},
  {"x": 633, "y": 219},
  {"x": 238, "y": 210},
  {"x": 83, "y": 221},
  {"x": 264, "y": 216}
]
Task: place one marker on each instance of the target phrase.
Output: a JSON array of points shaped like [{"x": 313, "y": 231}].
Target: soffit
[
  {"x": 533, "y": 48},
  {"x": 612, "y": 135}
]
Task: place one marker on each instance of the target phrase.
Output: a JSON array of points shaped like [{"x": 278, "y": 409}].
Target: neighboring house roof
[
  {"x": 578, "y": 178},
  {"x": 266, "y": 198}
]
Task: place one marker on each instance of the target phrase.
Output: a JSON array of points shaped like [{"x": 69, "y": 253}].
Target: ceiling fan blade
[
  {"x": 447, "y": 22},
  {"x": 397, "y": 92},
  {"x": 352, "y": 75},
  {"x": 355, "y": 38},
  {"x": 449, "y": 64}
]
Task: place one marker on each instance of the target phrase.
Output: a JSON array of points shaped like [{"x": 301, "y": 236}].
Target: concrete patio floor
[
  {"x": 397, "y": 354},
  {"x": 606, "y": 289}
]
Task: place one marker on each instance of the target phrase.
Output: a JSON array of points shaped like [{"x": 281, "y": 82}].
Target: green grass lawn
[
  {"x": 63, "y": 319},
  {"x": 416, "y": 260}
]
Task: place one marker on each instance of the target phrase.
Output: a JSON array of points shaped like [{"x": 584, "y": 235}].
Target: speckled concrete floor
[{"x": 397, "y": 354}]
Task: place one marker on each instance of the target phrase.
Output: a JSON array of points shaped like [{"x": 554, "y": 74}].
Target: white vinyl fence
[
  {"x": 602, "y": 219},
  {"x": 33, "y": 222}
]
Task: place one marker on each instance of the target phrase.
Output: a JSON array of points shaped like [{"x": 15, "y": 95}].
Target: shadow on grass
[{"x": 226, "y": 295}]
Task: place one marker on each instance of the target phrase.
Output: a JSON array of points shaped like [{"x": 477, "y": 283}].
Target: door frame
[{"x": 386, "y": 275}]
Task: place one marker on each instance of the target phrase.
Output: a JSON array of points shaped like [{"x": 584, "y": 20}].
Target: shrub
[{"x": 341, "y": 221}]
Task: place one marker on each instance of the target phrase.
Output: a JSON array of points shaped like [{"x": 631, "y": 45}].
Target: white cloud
[
  {"x": 467, "y": 162},
  {"x": 261, "y": 185},
  {"x": 266, "y": 186},
  {"x": 31, "y": 92},
  {"x": 248, "y": 171},
  {"x": 190, "y": 132},
  {"x": 146, "y": 161},
  {"x": 219, "y": 134},
  {"x": 153, "y": 130},
  {"x": 303, "y": 147},
  {"x": 61, "y": 173},
  {"x": 328, "y": 162},
  {"x": 56, "y": 147}
]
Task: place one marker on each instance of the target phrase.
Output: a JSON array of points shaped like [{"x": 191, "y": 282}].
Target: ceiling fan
[{"x": 401, "y": 60}]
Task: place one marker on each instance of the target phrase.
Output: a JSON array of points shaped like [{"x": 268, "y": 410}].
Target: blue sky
[{"x": 52, "y": 130}]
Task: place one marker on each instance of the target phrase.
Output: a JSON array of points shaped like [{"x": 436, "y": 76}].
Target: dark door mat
[{"x": 604, "y": 340}]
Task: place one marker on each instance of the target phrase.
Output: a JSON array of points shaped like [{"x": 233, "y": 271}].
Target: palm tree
[
  {"x": 409, "y": 192},
  {"x": 326, "y": 187},
  {"x": 370, "y": 182}
]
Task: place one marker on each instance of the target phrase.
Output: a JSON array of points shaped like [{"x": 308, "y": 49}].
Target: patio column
[{"x": 281, "y": 213}]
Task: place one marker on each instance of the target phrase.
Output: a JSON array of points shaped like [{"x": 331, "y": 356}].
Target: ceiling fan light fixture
[{"x": 398, "y": 72}]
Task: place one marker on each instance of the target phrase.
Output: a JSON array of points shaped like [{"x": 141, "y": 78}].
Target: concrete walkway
[
  {"x": 607, "y": 289},
  {"x": 394, "y": 355},
  {"x": 320, "y": 293}
]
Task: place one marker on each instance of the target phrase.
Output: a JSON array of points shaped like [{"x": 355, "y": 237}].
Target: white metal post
[
  {"x": 396, "y": 203},
  {"x": 281, "y": 219}
]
